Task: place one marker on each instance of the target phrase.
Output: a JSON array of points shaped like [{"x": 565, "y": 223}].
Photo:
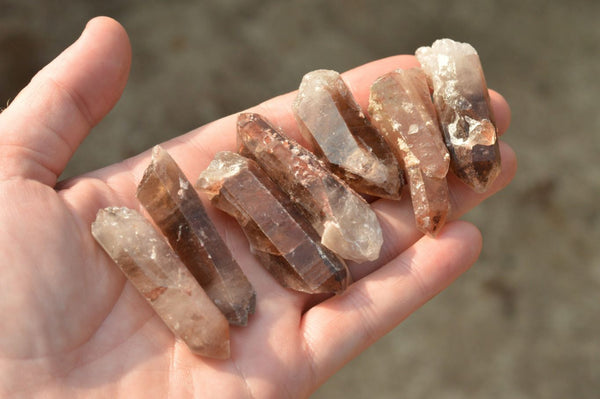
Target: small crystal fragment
[
  {"x": 463, "y": 104},
  {"x": 343, "y": 136},
  {"x": 280, "y": 237},
  {"x": 347, "y": 224},
  {"x": 158, "y": 274},
  {"x": 401, "y": 108},
  {"x": 177, "y": 210}
]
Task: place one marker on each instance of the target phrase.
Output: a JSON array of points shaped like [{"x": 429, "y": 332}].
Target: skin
[{"x": 72, "y": 324}]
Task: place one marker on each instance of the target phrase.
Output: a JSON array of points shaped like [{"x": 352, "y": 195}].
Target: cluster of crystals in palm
[{"x": 300, "y": 211}]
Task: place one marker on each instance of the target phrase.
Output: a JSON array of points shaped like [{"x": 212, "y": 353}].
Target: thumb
[{"x": 44, "y": 125}]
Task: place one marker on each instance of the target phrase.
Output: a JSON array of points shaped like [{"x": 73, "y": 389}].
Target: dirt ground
[{"x": 524, "y": 322}]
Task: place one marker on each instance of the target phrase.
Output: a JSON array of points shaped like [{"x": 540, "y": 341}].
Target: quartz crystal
[
  {"x": 177, "y": 210},
  {"x": 343, "y": 136},
  {"x": 345, "y": 221},
  {"x": 158, "y": 274},
  {"x": 280, "y": 237},
  {"x": 401, "y": 108},
  {"x": 462, "y": 100}
]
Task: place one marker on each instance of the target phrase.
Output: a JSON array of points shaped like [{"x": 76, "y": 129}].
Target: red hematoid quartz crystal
[
  {"x": 158, "y": 274},
  {"x": 401, "y": 108},
  {"x": 342, "y": 135},
  {"x": 345, "y": 221},
  {"x": 280, "y": 237},
  {"x": 463, "y": 104},
  {"x": 177, "y": 210}
]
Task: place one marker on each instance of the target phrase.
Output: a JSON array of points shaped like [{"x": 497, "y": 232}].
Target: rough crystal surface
[
  {"x": 462, "y": 100},
  {"x": 177, "y": 210},
  {"x": 159, "y": 275},
  {"x": 343, "y": 136},
  {"x": 280, "y": 237},
  {"x": 401, "y": 108},
  {"x": 347, "y": 224}
]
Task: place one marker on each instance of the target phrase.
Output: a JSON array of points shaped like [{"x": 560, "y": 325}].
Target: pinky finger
[{"x": 338, "y": 329}]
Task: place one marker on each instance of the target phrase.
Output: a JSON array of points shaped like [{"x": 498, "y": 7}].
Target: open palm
[{"x": 72, "y": 326}]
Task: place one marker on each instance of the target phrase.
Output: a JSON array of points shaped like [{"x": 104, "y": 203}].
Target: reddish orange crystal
[{"x": 401, "y": 108}]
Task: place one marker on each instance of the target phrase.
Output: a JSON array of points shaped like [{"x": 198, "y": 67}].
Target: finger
[
  {"x": 340, "y": 328},
  {"x": 501, "y": 111},
  {"x": 47, "y": 121}
]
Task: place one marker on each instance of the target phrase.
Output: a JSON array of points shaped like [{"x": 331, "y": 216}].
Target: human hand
[{"x": 74, "y": 327}]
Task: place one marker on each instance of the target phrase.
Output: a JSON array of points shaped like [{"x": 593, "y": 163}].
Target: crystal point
[
  {"x": 345, "y": 221},
  {"x": 343, "y": 136},
  {"x": 463, "y": 104},
  {"x": 280, "y": 237},
  {"x": 177, "y": 210},
  {"x": 401, "y": 108},
  {"x": 159, "y": 275}
]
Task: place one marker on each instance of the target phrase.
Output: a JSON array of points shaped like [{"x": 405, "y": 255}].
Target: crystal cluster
[{"x": 302, "y": 213}]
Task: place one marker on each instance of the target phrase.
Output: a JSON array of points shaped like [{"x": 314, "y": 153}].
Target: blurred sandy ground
[{"x": 524, "y": 322}]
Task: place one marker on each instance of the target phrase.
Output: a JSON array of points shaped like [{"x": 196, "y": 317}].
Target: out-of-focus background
[{"x": 525, "y": 321}]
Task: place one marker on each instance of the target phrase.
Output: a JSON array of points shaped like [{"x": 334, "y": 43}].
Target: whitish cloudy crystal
[
  {"x": 158, "y": 274},
  {"x": 343, "y": 136}
]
